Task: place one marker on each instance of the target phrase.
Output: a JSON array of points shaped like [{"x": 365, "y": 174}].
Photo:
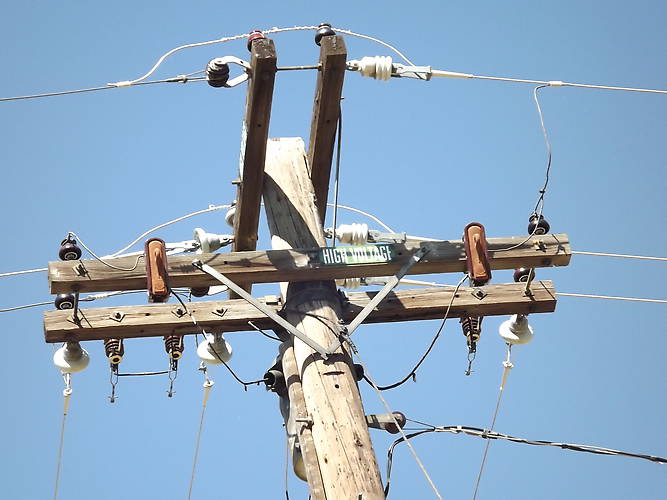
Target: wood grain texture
[
  {"x": 157, "y": 320},
  {"x": 344, "y": 456},
  {"x": 253, "y": 143},
  {"x": 300, "y": 265},
  {"x": 328, "y": 90}
]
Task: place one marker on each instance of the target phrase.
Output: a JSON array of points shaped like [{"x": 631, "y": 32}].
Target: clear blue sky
[{"x": 426, "y": 157}]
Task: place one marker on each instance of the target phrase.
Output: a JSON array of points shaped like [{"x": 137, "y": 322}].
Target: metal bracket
[
  {"x": 379, "y": 297},
  {"x": 220, "y": 312},
  {"x": 117, "y": 316},
  {"x": 80, "y": 269},
  {"x": 179, "y": 312},
  {"x": 380, "y": 237},
  {"x": 263, "y": 308},
  {"x": 478, "y": 293},
  {"x": 418, "y": 72}
]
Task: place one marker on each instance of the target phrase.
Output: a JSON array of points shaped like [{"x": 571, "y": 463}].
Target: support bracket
[
  {"x": 379, "y": 297},
  {"x": 261, "y": 307}
]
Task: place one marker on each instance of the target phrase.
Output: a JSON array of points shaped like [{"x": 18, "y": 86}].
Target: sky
[{"x": 425, "y": 157}]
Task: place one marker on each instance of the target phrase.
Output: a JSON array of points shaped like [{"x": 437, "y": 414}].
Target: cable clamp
[
  {"x": 555, "y": 83},
  {"x": 124, "y": 83}
]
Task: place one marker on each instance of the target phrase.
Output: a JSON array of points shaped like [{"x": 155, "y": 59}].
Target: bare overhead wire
[
  {"x": 337, "y": 173},
  {"x": 175, "y": 79},
  {"x": 609, "y": 297}
]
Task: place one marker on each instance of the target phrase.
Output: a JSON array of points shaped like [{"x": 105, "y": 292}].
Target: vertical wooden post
[
  {"x": 335, "y": 418},
  {"x": 253, "y": 145},
  {"x": 326, "y": 109}
]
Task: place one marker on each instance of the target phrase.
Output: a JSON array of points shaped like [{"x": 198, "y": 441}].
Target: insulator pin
[{"x": 217, "y": 73}]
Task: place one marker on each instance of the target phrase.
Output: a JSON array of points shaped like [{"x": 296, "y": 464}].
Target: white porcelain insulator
[
  {"x": 212, "y": 351},
  {"x": 71, "y": 358},
  {"x": 516, "y": 330},
  {"x": 378, "y": 67},
  {"x": 350, "y": 283},
  {"x": 353, "y": 234}
]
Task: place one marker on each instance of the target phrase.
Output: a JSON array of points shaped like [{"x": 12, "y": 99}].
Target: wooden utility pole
[
  {"x": 333, "y": 414},
  {"x": 324, "y": 398}
]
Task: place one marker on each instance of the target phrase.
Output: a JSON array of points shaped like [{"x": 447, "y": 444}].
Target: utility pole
[
  {"x": 344, "y": 459},
  {"x": 324, "y": 399}
]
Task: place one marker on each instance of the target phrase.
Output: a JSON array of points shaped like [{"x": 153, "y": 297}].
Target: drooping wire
[
  {"x": 211, "y": 208},
  {"x": 176, "y": 79},
  {"x": 27, "y": 271},
  {"x": 246, "y": 35},
  {"x": 489, "y": 434},
  {"x": 540, "y": 200},
  {"x": 337, "y": 174},
  {"x": 430, "y": 347},
  {"x": 507, "y": 366},
  {"x": 263, "y": 332},
  {"x": 83, "y": 244}
]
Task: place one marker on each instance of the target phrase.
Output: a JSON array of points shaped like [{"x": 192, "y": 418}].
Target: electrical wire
[
  {"x": 546, "y": 83},
  {"x": 263, "y": 332},
  {"x": 619, "y": 255},
  {"x": 608, "y": 297},
  {"x": 27, "y": 271},
  {"x": 489, "y": 434},
  {"x": 211, "y": 208},
  {"x": 361, "y": 212},
  {"x": 507, "y": 366},
  {"x": 26, "y": 306},
  {"x": 208, "y": 384},
  {"x": 337, "y": 174},
  {"x": 78, "y": 238},
  {"x": 176, "y": 79},
  {"x": 369, "y": 379},
  {"x": 430, "y": 347},
  {"x": 67, "y": 393},
  {"x": 540, "y": 200}
]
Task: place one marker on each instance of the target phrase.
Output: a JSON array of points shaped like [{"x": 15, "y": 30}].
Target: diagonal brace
[
  {"x": 379, "y": 297},
  {"x": 261, "y": 307}
]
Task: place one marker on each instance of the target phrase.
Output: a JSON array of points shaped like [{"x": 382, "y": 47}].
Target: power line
[
  {"x": 608, "y": 297},
  {"x": 176, "y": 79},
  {"x": 619, "y": 255}
]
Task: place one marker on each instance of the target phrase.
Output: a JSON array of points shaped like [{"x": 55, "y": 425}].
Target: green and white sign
[{"x": 364, "y": 254}]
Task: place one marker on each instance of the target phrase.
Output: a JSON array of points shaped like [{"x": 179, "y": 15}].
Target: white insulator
[
  {"x": 378, "y": 67},
  {"x": 354, "y": 234},
  {"x": 71, "y": 358},
  {"x": 516, "y": 330},
  {"x": 229, "y": 216},
  {"x": 350, "y": 283},
  {"x": 214, "y": 350}
]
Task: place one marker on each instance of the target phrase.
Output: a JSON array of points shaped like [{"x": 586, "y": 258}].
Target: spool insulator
[
  {"x": 199, "y": 291},
  {"x": 523, "y": 274},
  {"x": 174, "y": 346},
  {"x": 65, "y": 301},
  {"x": 325, "y": 30},
  {"x": 114, "y": 350},
  {"x": 254, "y": 35},
  {"x": 69, "y": 250},
  {"x": 217, "y": 73},
  {"x": 358, "y": 372},
  {"x": 538, "y": 225}
]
